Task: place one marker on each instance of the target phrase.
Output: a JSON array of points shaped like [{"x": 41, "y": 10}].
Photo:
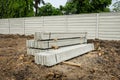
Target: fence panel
[
  {"x": 55, "y": 24},
  {"x": 109, "y": 26},
  {"x": 4, "y": 26},
  {"x": 33, "y": 24},
  {"x": 102, "y": 25},
  {"x": 83, "y": 23},
  {"x": 16, "y": 25}
]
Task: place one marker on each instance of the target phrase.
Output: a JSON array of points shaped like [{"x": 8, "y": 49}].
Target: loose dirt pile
[{"x": 100, "y": 64}]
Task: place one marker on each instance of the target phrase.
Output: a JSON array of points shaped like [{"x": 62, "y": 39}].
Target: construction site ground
[{"x": 101, "y": 64}]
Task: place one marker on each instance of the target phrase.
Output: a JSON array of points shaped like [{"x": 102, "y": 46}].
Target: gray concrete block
[
  {"x": 32, "y": 51},
  {"x": 73, "y": 51},
  {"x": 53, "y": 57},
  {"x": 50, "y": 44},
  {"x": 48, "y": 35}
]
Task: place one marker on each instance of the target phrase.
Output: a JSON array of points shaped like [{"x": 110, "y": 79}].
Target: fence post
[
  {"x": 66, "y": 23},
  {"x": 97, "y": 26},
  {"x": 9, "y": 25},
  {"x": 43, "y": 27},
  {"x": 24, "y": 25}
]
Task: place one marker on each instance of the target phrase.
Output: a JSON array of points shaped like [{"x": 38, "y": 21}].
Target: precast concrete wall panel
[
  {"x": 109, "y": 26},
  {"x": 97, "y": 25},
  {"x": 34, "y": 24},
  {"x": 16, "y": 26},
  {"x": 4, "y": 26},
  {"x": 85, "y": 23},
  {"x": 55, "y": 24}
]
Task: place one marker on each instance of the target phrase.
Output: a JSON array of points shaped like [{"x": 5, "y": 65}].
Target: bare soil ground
[{"x": 100, "y": 64}]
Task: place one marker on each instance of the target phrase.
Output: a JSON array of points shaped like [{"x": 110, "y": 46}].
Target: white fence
[{"x": 102, "y": 25}]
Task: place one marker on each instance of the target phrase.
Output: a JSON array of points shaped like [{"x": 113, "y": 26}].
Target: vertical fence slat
[
  {"x": 24, "y": 25},
  {"x": 97, "y": 26},
  {"x": 9, "y": 25},
  {"x": 66, "y": 23}
]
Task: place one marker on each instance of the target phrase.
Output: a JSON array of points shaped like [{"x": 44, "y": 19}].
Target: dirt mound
[
  {"x": 100, "y": 64},
  {"x": 15, "y": 36}
]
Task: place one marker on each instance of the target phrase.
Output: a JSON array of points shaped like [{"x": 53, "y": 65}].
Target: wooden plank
[{"x": 72, "y": 64}]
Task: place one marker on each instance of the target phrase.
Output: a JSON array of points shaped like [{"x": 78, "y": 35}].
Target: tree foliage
[
  {"x": 48, "y": 10},
  {"x": 116, "y": 6},
  {"x": 36, "y": 5},
  {"x": 86, "y": 6},
  {"x": 100, "y": 5},
  {"x": 16, "y": 8},
  {"x": 24, "y": 8},
  {"x": 69, "y": 8}
]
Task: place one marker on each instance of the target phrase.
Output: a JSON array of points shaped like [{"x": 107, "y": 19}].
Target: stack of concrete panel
[
  {"x": 52, "y": 48},
  {"x": 47, "y": 41},
  {"x": 53, "y": 57}
]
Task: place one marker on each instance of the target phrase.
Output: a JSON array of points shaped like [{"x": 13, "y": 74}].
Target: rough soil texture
[{"x": 101, "y": 64}]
